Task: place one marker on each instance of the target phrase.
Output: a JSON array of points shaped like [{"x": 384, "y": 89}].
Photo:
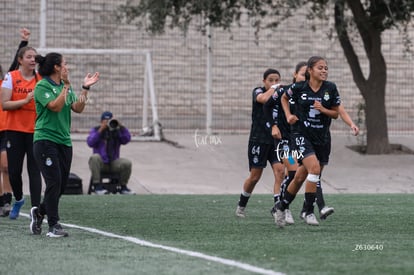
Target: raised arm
[
  {"x": 264, "y": 97},
  {"x": 24, "y": 35},
  {"x": 268, "y": 113},
  {"x": 89, "y": 80}
]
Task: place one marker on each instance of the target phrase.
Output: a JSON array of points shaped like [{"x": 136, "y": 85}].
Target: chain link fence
[{"x": 180, "y": 65}]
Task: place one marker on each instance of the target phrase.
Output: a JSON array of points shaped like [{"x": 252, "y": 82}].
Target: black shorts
[
  {"x": 260, "y": 153},
  {"x": 305, "y": 148},
  {"x": 3, "y": 141}
]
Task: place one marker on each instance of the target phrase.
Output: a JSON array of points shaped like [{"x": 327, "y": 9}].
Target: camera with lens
[{"x": 113, "y": 124}]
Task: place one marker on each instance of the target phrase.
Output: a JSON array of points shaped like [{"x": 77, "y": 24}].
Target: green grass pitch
[{"x": 367, "y": 234}]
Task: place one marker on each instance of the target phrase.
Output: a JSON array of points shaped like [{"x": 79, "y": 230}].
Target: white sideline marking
[{"x": 190, "y": 253}]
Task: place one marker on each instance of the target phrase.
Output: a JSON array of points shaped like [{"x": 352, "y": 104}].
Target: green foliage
[{"x": 157, "y": 14}]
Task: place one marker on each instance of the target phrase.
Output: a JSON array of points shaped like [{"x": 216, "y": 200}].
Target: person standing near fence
[
  {"x": 55, "y": 99},
  {"x": 317, "y": 102},
  {"x": 17, "y": 100},
  {"x": 261, "y": 148},
  {"x": 5, "y": 187}
]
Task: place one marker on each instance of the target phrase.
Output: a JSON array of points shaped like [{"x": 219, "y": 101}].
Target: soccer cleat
[
  {"x": 279, "y": 216},
  {"x": 37, "y": 220},
  {"x": 325, "y": 212},
  {"x": 240, "y": 211},
  {"x": 101, "y": 191},
  {"x": 14, "y": 213},
  {"x": 126, "y": 191},
  {"x": 311, "y": 219},
  {"x": 289, "y": 217},
  {"x": 57, "y": 231}
]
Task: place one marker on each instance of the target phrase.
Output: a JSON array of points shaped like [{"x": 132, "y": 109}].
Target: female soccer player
[
  {"x": 261, "y": 148},
  {"x": 55, "y": 99},
  {"x": 317, "y": 102},
  {"x": 281, "y": 133},
  {"x": 17, "y": 99}
]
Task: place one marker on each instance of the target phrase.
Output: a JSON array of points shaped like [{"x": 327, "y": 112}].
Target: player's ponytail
[{"x": 47, "y": 63}]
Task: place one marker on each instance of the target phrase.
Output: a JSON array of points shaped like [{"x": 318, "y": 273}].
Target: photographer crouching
[{"x": 106, "y": 140}]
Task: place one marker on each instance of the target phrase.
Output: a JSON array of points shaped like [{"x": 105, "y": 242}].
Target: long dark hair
[
  {"x": 298, "y": 67},
  {"x": 311, "y": 63},
  {"x": 47, "y": 63}
]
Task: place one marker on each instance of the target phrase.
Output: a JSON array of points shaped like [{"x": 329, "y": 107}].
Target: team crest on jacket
[
  {"x": 326, "y": 96},
  {"x": 48, "y": 162}
]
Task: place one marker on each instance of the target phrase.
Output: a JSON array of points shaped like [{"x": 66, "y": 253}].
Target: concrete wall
[{"x": 180, "y": 64}]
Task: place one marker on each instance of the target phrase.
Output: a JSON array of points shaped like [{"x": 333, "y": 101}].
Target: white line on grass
[{"x": 190, "y": 253}]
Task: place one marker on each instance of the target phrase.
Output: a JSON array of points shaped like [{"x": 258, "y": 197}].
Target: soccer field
[{"x": 199, "y": 234}]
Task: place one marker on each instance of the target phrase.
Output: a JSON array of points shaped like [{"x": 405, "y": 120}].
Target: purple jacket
[{"x": 108, "y": 143}]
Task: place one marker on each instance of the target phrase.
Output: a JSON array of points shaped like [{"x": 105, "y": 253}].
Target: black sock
[
  {"x": 303, "y": 206},
  {"x": 8, "y": 198},
  {"x": 284, "y": 184},
  {"x": 286, "y": 181},
  {"x": 309, "y": 202},
  {"x": 2, "y": 200},
  {"x": 243, "y": 200},
  {"x": 319, "y": 196},
  {"x": 287, "y": 199}
]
